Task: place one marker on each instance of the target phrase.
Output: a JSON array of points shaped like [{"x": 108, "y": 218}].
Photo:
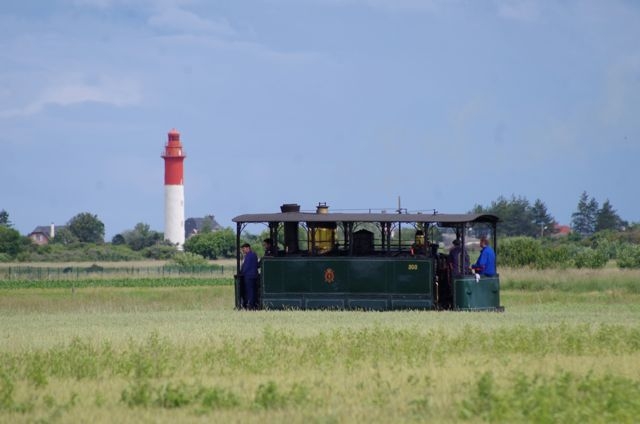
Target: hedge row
[{"x": 527, "y": 251}]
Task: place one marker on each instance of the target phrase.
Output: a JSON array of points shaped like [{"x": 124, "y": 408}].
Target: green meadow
[{"x": 567, "y": 349}]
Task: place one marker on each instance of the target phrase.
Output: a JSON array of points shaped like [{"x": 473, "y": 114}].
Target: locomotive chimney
[{"x": 290, "y": 228}]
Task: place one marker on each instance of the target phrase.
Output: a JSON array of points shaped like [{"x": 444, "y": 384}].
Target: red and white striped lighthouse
[{"x": 173, "y": 156}]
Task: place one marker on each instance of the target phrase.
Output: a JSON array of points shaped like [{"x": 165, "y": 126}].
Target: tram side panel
[
  {"x": 329, "y": 284},
  {"x": 347, "y": 283},
  {"x": 412, "y": 284},
  {"x": 473, "y": 295}
]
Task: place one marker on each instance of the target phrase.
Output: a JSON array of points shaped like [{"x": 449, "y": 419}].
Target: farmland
[{"x": 567, "y": 349}]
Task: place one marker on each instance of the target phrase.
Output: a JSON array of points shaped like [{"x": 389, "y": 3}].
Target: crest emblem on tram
[{"x": 329, "y": 276}]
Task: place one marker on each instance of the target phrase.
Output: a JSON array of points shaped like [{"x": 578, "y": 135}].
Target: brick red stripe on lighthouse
[{"x": 173, "y": 160}]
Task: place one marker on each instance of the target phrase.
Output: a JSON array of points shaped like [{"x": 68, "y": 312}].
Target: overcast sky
[{"x": 447, "y": 104}]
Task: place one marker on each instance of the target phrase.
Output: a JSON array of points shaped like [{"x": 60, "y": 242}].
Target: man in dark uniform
[
  {"x": 249, "y": 273},
  {"x": 456, "y": 262},
  {"x": 270, "y": 249}
]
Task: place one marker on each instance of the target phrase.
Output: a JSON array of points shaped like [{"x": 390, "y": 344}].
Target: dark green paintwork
[
  {"x": 347, "y": 283},
  {"x": 481, "y": 295}
]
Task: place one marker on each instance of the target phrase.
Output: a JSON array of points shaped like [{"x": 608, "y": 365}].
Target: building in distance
[
  {"x": 44, "y": 234},
  {"x": 193, "y": 226}
]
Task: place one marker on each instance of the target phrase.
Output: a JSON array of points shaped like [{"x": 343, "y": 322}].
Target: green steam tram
[{"x": 370, "y": 261}]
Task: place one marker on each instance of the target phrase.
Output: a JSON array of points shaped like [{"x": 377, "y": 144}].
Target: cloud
[
  {"x": 394, "y": 5},
  {"x": 166, "y": 15},
  {"x": 420, "y": 5},
  {"x": 520, "y": 10},
  {"x": 105, "y": 4},
  {"x": 117, "y": 92},
  {"x": 622, "y": 87},
  {"x": 176, "y": 19},
  {"x": 99, "y": 4}
]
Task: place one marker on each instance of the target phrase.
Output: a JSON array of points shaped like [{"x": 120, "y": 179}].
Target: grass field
[{"x": 560, "y": 353}]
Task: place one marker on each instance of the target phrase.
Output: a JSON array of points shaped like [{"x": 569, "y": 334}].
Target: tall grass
[
  {"x": 571, "y": 280},
  {"x": 184, "y": 281},
  {"x": 182, "y": 354},
  {"x": 48, "y": 271},
  {"x": 373, "y": 374}
]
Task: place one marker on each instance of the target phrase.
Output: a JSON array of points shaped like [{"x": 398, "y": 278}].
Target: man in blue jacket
[
  {"x": 486, "y": 263},
  {"x": 249, "y": 273}
]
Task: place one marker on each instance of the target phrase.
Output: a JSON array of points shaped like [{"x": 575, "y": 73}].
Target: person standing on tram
[
  {"x": 486, "y": 263},
  {"x": 249, "y": 273}
]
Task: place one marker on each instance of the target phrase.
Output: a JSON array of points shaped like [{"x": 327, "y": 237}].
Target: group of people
[
  {"x": 459, "y": 259},
  {"x": 249, "y": 273}
]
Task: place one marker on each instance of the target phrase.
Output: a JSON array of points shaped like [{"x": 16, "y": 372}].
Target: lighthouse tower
[{"x": 173, "y": 156}]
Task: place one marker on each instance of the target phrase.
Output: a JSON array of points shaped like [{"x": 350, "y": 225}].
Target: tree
[
  {"x": 607, "y": 218},
  {"x": 516, "y": 216},
  {"x": 4, "y": 219},
  {"x": 87, "y": 228},
  {"x": 593, "y": 209},
  {"x": 583, "y": 220},
  {"x": 118, "y": 240},
  {"x": 206, "y": 226},
  {"x": 64, "y": 236},
  {"x": 541, "y": 218},
  {"x": 212, "y": 245},
  {"x": 141, "y": 236},
  {"x": 10, "y": 241}
]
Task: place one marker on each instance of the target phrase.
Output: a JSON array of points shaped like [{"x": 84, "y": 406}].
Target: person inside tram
[
  {"x": 418, "y": 246},
  {"x": 457, "y": 265},
  {"x": 270, "y": 248}
]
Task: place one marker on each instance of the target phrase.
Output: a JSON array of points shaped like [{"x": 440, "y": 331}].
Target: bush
[
  {"x": 527, "y": 251},
  {"x": 629, "y": 256},
  {"x": 590, "y": 258},
  {"x": 83, "y": 252},
  {"x": 520, "y": 251},
  {"x": 555, "y": 257},
  {"x": 159, "y": 251},
  {"x": 189, "y": 260},
  {"x": 607, "y": 243}
]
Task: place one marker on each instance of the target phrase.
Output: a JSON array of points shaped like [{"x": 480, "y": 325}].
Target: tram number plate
[{"x": 413, "y": 267}]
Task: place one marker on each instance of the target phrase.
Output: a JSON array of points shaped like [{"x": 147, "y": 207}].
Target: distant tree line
[
  {"x": 598, "y": 234},
  {"x": 589, "y": 218},
  {"x": 82, "y": 239},
  {"x": 518, "y": 217}
]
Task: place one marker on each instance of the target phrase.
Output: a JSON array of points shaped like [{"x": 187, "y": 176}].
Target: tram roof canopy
[{"x": 365, "y": 217}]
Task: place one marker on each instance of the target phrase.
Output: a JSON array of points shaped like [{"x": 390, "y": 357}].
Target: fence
[{"x": 96, "y": 271}]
